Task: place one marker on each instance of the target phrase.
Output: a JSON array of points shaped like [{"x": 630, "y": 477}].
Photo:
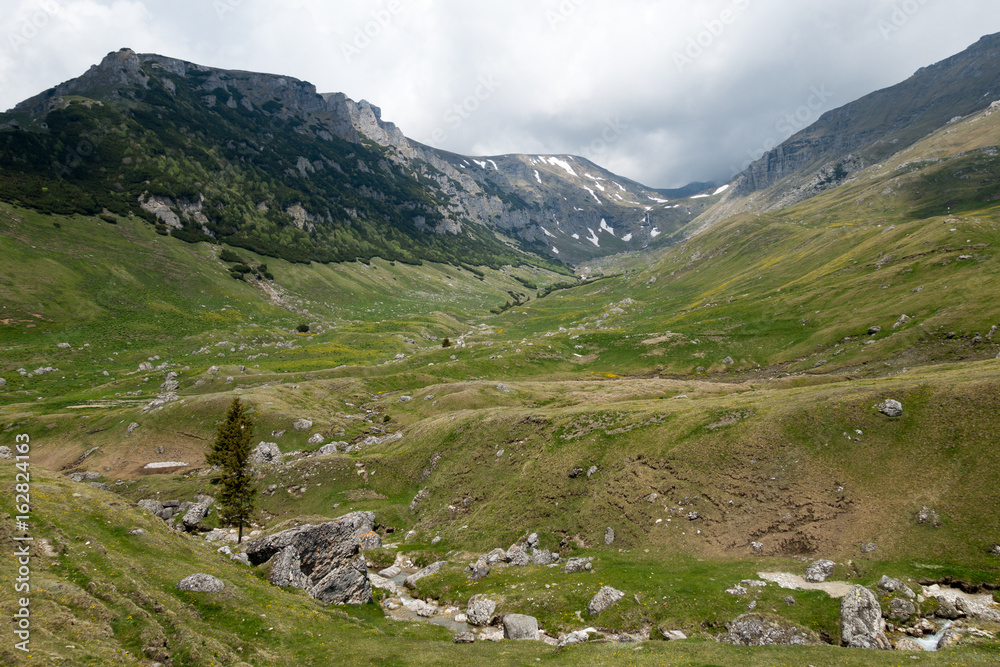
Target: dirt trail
[{"x": 835, "y": 589}]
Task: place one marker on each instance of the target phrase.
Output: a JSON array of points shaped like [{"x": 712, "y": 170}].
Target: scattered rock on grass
[
  {"x": 819, "y": 571},
  {"x": 891, "y": 408},
  {"x": 578, "y": 565},
  {"x": 928, "y": 516},
  {"x": 201, "y": 583},
  {"x": 480, "y": 610},
  {"x": 464, "y": 638},
  {"x": 578, "y": 637},
  {"x": 767, "y": 630},
  {"x": 908, "y": 644},
  {"x": 478, "y": 570},
  {"x": 605, "y": 598},
  {"x": 266, "y": 453},
  {"x": 887, "y": 583},
  {"x": 519, "y": 627},
  {"x": 434, "y": 568},
  {"x": 609, "y": 536},
  {"x": 517, "y": 555},
  {"x": 901, "y": 609}
]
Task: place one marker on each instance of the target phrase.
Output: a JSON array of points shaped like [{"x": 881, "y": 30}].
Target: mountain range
[{"x": 783, "y": 405}]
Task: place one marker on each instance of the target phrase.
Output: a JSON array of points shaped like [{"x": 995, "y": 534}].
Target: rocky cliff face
[
  {"x": 561, "y": 205},
  {"x": 880, "y": 124}
]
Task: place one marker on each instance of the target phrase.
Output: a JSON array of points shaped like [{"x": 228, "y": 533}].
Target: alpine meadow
[{"x": 280, "y": 385}]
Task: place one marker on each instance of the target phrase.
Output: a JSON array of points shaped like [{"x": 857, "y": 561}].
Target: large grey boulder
[
  {"x": 302, "y": 424},
  {"x": 861, "y": 622},
  {"x": 947, "y": 610},
  {"x": 819, "y": 571},
  {"x": 520, "y": 627},
  {"x": 266, "y": 453},
  {"x": 285, "y": 570},
  {"x": 480, "y": 610},
  {"x": 192, "y": 518},
  {"x": 433, "y": 568},
  {"x": 891, "y": 408},
  {"x": 609, "y": 536},
  {"x": 326, "y": 450},
  {"x": 767, "y": 630},
  {"x": 201, "y": 583},
  {"x": 605, "y": 598},
  {"x": 345, "y": 584},
  {"x": 518, "y": 555},
  {"x": 329, "y": 556}
]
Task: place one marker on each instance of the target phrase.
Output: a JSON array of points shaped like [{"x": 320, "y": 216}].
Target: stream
[
  {"x": 407, "y": 612},
  {"x": 930, "y": 642}
]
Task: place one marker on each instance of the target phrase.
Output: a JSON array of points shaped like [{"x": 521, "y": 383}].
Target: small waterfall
[{"x": 930, "y": 642}]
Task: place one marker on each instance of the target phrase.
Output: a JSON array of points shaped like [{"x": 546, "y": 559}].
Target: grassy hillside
[{"x": 736, "y": 377}]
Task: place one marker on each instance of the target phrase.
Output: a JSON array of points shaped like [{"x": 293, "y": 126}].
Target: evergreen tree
[{"x": 231, "y": 452}]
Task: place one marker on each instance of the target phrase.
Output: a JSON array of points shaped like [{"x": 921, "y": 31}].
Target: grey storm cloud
[{"x": 661, "y": 91}]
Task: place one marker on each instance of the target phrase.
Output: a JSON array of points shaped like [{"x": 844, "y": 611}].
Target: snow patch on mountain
[
  {"x": 592, "y": 194},
  {"x": 720, "y": 190},
  {"x": 556, "y": 162},
  {"x": 627, "y": 237},
  {"x": 654, "y": 233},
  {"x": 538, "y": 177},
  {"x": 605, "y": 227},
  {"x": 548, "y": 233},
  {"x": 593, "y": 237}
]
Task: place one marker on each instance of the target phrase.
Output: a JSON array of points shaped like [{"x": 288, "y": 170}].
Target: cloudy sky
[{"x": 661, "y": 91}]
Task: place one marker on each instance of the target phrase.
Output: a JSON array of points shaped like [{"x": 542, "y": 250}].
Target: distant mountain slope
[
  {"x": 561, "y": 205},
  {"x": 265, "y": 162},
  {"x": 865, "y": 132},
  {"x": 258, "y": 161}
]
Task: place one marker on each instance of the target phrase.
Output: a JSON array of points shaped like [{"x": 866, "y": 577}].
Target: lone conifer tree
[{"x": 231, "y": 452}]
